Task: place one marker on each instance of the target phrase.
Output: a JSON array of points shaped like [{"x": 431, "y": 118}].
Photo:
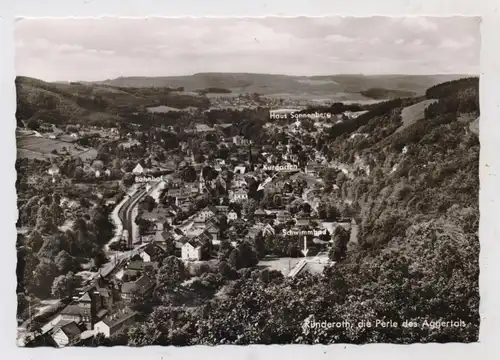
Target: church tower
[
  {"x": 250, "y": 160},
  {"x": 201, "y": 181}
]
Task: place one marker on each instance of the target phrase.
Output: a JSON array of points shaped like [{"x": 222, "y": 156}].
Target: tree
[
  {"x": 340, "y": 240},
  {"x": 44, "y": 220},
  {"x": 171, "y": 273},
  {"x": 35, "y": 240},
  {"x": 65, "y": 262},
  {"x": 33, "y": 124},
  {"x": 188, "y": 174},
  {"x": 64, "y": 285},
  {"x": 40, "y": 282},
  {"x": 225, "y": 249},
  {"x": 243, "y": 256},
  {"x": 149, "y": 203},
  {"x": 235, "y": 259},
  {"x": 128, "y": 179}
]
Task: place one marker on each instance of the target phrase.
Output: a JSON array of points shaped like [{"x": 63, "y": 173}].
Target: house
[
  {"x": 141, "y": 287},
  {"x": 72, "y": 312},
  {"x": 232, "y": 215},
  {"x": 138, "y": 169},
  {"x": 191, "y": 250},
  {"x": 268, "y": 230},
  {"x": 205, "y": 214},
  {"x": 283, "y": 216},
  {"x": 240, "y": 140},
  {"x": 223, "y": 209},
  {"x": 200, "y": 128},
  {"x": 239, "y": 182},
  {"x": 302, "y": 222},
  {"x": 238, "y": 196},
  {"x": 151, "y": 250},
  {"x": 313, "y": 169},
  {"x": 115, "y": 323},
  {"x": 259, "y": 215},
  {"x": 192, "y": 188},
  {"x": 67, "y": 334},
  {"x": 214, "y": 231},
  {"x": 175, "y": 192},
  {"x": 239, "y": 169},
  {"x": 54, "y": 170}
]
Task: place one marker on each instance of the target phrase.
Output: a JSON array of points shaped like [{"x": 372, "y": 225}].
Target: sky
[{"x": 92, "y": 49}]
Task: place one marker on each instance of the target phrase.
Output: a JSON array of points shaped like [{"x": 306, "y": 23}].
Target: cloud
[
  {"x": 336, "y": 38},
  {"x": 457, "y": 44},
  {"x": 94, "y": 49},
  {"x": 422, "y": 23}
]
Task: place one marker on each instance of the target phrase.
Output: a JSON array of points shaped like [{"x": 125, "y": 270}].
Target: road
[{"x": 125, "y": 213}]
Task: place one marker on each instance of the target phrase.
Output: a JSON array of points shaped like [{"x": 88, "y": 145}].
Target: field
[
  {"x": 162, "y": 109},
  {"x": 413, "y": 113},
  {"x": 33, "y": 147}
]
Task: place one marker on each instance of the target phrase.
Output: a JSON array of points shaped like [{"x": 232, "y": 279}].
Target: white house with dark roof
[
  {"x": 67, "y": 334},
  {"x": 138, "y": 169},
  {"x": 115, "y": 323},
  {"x": 191, "y": 250},
  {"x": 232, "y": 215}
]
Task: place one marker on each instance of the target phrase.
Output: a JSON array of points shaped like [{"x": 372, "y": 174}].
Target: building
[
  {"x": 302, "y": 222},
  {"x": 232, "y": 215},
  {"x": 223, "y": 209},
  {"x": 259, "y": 215},
  {"x": 313, "y": 169},
  {"x": 115, "y": 323},
  {"x": 54, "y": 170},
  {"x": 205, "y": 214},
  {"x": 238, "y": 196},
  {"x": 67, "y": 334},
  {"x": 191, "y": 250},
  {"x": 151, "y": 249},
  {"x": 214, "y": 231},
  {"x": 240, "y": 169},
  {"x": 283, "y": 216},
  {"x": 141, "y": 287},
  {"x": 138, "y": 169},
  {"x": 240, "y": 141},
  {"x": 138, "y": 267}
]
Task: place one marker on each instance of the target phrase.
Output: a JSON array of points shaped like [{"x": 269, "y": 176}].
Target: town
[
  {"x": 172, "y": 226},
  {"x": 201, "y": 196}
]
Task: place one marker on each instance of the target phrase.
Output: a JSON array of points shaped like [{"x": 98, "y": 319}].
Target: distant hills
[
  {"x": 356, "y": 87},
  {"x": 111, "y": 101},
  {"x": 89, "y": 103}
]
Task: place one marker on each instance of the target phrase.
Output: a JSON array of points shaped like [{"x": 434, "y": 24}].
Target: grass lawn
[
  {"x": 41, "y": 148},
  {"x": 413, "y": 113}
]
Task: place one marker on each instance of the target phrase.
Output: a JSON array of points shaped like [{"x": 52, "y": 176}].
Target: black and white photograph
[{"x": 247, "y": 180}]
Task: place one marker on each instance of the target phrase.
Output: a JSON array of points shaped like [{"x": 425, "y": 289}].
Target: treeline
[
  {"x": 214, "y": 90},
  {"x": 452, "y": 88},
  {"x": 78, "y": 103},
  {"x": 381, "y": 93},
  {"x": 335, "y": 108},
  {"x": 377, "y": 110}
]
